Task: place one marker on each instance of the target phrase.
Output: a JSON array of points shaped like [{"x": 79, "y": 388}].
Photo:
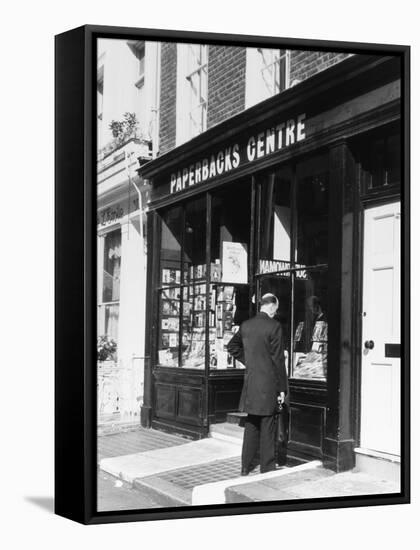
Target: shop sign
[
  {"x": 114, "y": 213},
  {"x": 274, "y": 266},
  {"x": 256, "y": 147}
]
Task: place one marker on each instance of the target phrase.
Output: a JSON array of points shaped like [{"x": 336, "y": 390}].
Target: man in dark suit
[{"x": 259, "y": 345}]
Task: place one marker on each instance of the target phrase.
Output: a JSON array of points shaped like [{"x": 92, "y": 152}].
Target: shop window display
[
  {"x": 229, "y": 300},
  {"x": 293, "y": 260},
  {"x": 170, "y": 293},
  {"x": 197, "y": 302},
  {"x": 310, "y": 334}
]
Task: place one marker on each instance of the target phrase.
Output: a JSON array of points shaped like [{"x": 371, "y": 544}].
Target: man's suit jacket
[{"x": 259, "y": 345}]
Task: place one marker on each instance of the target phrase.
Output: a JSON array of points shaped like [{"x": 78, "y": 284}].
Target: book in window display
[
  {"x": 193, "y": 356},
  {"x": 197, "y": 272},
  {"x": 312, "y": 361},
  {"x": 171, "y": 276},
  {"x": 215, "y": 272}
]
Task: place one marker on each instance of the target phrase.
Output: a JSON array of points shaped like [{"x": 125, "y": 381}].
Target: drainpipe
[
  {"x": 155, "y": 109},
  {"x": 131, "y": 180}
]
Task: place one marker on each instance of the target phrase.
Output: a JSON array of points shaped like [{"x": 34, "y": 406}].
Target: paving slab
[
  {"x": 114, "y": 495},
  {"x": 136, "y": 440},
  {"x": 139, "y": 465},
  {"x": 320, "y": 483}
]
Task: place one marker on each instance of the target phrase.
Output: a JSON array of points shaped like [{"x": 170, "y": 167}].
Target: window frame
[
  {"x": 187, "y": 69},
  {"x": 101, "y": 303},
  {"x": 277, "y": 56},
  {"x": 187, "y": 282},
  {"x": 262, "y": 178}
]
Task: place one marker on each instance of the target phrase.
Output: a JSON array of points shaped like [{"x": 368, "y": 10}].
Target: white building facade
[{"x": 127, "y": 128}]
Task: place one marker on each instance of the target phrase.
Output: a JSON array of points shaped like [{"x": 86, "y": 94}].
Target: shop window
[
  {"x": 194, "y": 303},
  {"x": 170, "y": 250},
  {"x": 195, "y": 300},
  {"x": 310, "y": 325},
  {"x": 169, "y": 328},
  {"x": 192, "y": 84},
  {"x": 293, "y": 260},
  {"x": 170, "y": 295},
  {"x": 195, "y": 240},
  {"x": 275, "y": 226},
  {"x": 193, "y": 341},
  {"x": 229, "y": 289},
  {"x": 312, "y": 213}
]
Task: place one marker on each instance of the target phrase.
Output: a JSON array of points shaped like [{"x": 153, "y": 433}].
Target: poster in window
[{"x": 235, "y": 262}]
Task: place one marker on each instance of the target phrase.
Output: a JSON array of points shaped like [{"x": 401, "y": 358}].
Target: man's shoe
[{"x": 244, "y": 472}]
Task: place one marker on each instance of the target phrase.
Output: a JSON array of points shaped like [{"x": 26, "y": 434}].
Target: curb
[{"x": 215, "y": 493}]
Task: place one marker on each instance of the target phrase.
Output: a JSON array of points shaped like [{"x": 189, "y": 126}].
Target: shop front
[{"x": 273, "y": 200}]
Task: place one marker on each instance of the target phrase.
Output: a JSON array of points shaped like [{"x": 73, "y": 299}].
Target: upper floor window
[
  {"x": 267, "y": 74},
  {"x": 379, "y": 156},
  {"x": 192, "y": 83},
  {"x": 273, "y": 72},
  {"x": 138, "y": 49},
  {"x": 100, "y": 100},
  {"x": 197, "y": 80}
]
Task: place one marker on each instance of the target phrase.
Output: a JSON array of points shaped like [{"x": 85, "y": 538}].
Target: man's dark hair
[{"x": 268, "y": 299}]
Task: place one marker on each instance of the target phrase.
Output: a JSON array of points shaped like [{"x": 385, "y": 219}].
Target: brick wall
[
  {"x": 226, "y": 83},
  {"x": 303, "y": 64},
  {"x": 167, "y": 115}
]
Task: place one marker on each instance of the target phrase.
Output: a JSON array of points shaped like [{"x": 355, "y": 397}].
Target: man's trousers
[{"x": 260, "y": 432}]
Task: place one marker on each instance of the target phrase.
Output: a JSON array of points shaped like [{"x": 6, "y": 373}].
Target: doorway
[{"x": 381, "y": 363}]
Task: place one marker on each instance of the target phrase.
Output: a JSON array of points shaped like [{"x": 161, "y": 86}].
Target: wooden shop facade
[{"x": 298, "y": 196}]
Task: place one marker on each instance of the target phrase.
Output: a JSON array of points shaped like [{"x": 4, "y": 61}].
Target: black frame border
[{"x": 75, "y": 275}]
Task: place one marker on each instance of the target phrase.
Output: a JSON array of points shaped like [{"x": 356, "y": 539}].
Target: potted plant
[{"x": 106, "y": 349}]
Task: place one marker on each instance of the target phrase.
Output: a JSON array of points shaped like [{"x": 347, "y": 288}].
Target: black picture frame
[{"x": 75, "y": 269}]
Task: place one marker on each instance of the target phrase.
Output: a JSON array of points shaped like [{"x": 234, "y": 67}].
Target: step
[
  {"x": 227, "y": 431},
  {"x": 380, "y": 465},
  {"x": 236, "y": 418}
]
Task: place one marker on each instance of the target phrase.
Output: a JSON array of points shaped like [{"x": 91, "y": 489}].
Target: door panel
[{"x": 380, "y": 395}]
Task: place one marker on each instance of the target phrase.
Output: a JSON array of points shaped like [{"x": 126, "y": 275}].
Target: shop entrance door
[{"x": 380, "y": 396}]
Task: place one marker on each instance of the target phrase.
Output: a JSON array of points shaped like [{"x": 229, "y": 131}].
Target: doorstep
[
  {"x": 227, "y": 431},
  {"x": 383, "y": 466}
]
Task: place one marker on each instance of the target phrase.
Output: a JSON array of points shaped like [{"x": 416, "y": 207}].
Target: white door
[{"x": 380, "y": 396}]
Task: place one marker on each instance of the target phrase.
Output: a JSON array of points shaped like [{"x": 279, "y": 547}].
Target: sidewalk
[{"x": 168, "y": 470}]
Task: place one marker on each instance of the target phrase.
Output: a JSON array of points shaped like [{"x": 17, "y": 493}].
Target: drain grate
[{"x": 190, "y": 477}]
